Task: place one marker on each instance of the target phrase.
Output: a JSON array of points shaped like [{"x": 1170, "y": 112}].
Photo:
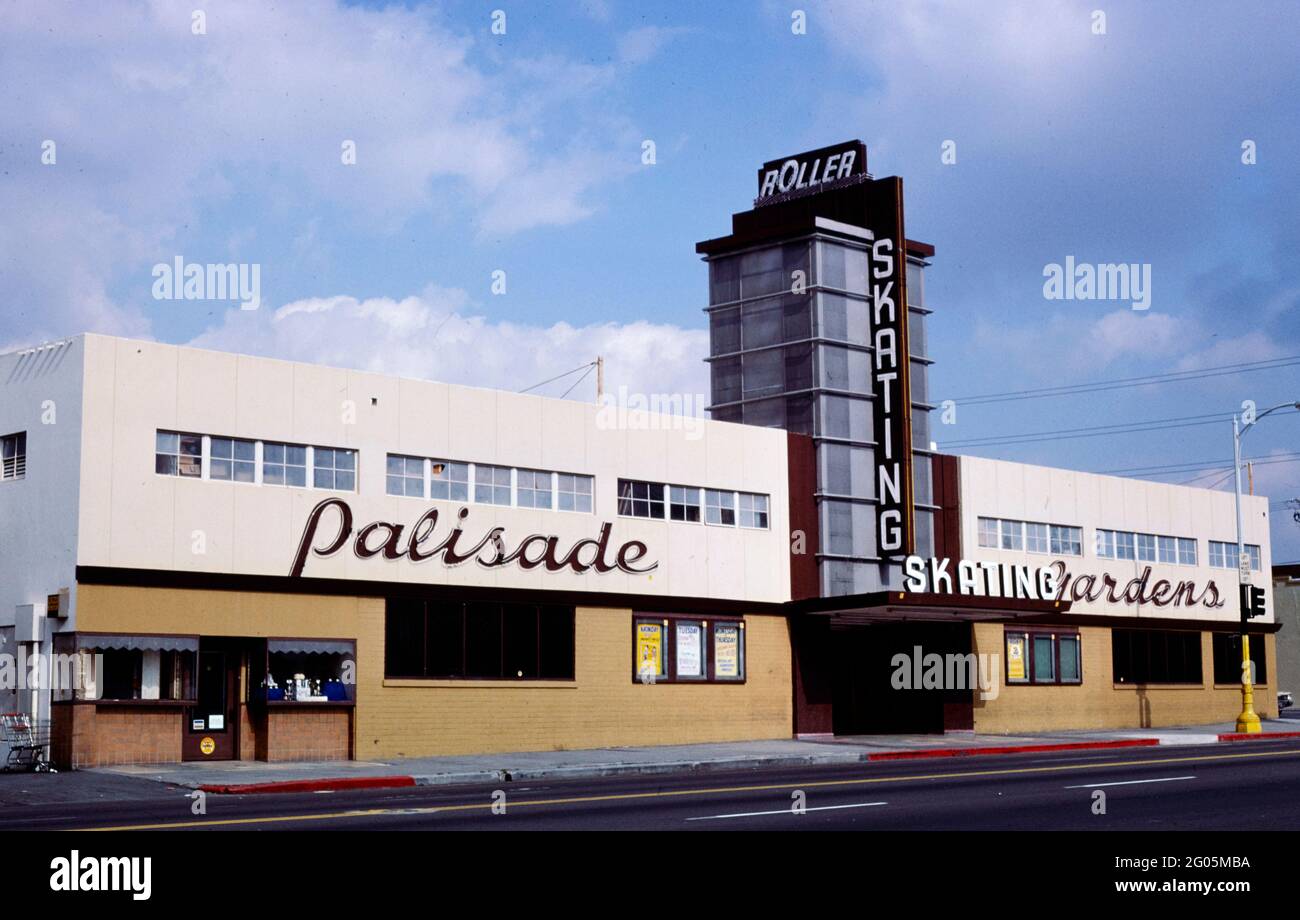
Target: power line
[
  {"x": 590, "y": 368},
  {"x": 1125, "y": 382},
  {"x": 1065, "y": 434},
  {"x": 1193, "y": 466},
  {"x": 558, "y": 376}
]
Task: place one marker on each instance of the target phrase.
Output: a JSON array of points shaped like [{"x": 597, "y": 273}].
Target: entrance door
[
  {"x": 865, "y": 700},
  {"x": 211, "y": 729}
]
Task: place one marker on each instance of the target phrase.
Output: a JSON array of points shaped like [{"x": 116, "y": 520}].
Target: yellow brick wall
[
  {"x": 601, "y": 707},
  {"x": 1100, "y": 703}
]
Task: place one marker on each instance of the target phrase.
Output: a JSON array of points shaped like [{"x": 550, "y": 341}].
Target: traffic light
[{"x": 1252, "y": 603}]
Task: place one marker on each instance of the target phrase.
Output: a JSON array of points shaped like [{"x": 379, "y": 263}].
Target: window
[
  {"x": 1012, "y": 534},
  {"x": 405, "y": 476},
  {"x": 677, "y": 648},
  {"x": 449, "y": 480},
  {"x": 478, "y": 640},
  {"x": 302, "y": 671},
  {"x": 284, "y": 464},
  {"x": 684, "y": 503},
  {"x": 1037, "y": 656},
  {"x": 1156, "y": 656},
  {"x": 1124, "y": 546},
  {"x": 117, "y": 667},
  {"x": 334, "y": 468},
  {"x": 1168, "y": 547},
  {"x": 177, "y": 454},
  {"x": 640, "y": 499},
  {"x": 753, "y": 511},
  {"x": 491, "y": 484},
  {"x": 1105, "y": 541},
  {"x": 1036, "y": 537},
  {"x": 1066, "y": 541},
  {"x": 719, "y": 507},
  {"x": 988, "y": 532},
  {"x": 533, "y": 488},
  {"x": 13, "y": 456},
  {"x": 1146, "y": 547},
  {"x": 573, "y": 492},
  {"x": 1224, "y": 555},
  {"x": 233, "y": 460},
  {"x": 1186, "y": 551},
  {"x": 1227, "y": 659}
]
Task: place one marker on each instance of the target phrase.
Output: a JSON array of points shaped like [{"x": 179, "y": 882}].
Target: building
[
  {"x": 817, "y": 318},
  {"x": 217, "y": 556},
  {"x": 446, "y": 567},
  {"x": 1286, "y": 598}
]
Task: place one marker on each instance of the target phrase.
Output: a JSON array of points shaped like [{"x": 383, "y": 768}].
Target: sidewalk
[{"x": 255, "y": 776}]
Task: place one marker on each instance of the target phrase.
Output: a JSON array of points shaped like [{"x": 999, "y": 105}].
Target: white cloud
[
  {"x": 156, "y": 126},
  {"x": 437, "y": 335}
]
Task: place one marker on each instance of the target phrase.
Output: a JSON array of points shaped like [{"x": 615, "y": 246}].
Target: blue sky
[{"x": 522, "y": 153}]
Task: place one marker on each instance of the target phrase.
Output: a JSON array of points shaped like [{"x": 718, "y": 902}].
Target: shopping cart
[{"x": 24, "y": 743}]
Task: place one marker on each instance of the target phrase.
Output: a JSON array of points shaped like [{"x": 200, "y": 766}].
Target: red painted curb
[
  {"x": 1262, "y": 736},
  {"x": 1017, "y": 749},
  {"x": 312, "y": 785}
]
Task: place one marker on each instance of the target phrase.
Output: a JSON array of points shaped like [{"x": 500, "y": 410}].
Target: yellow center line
[{"x": 669, "y": 793}]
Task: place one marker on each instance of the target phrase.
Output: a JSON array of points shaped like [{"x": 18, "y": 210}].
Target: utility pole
[
  {"x": 600, "y": 379},
  {"x": 1248, "y": 720}
]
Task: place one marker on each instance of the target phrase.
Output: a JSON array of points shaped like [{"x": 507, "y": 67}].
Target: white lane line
[
  {"x": 1131, "y": 782},
  {"x": 785, "y": 811}
]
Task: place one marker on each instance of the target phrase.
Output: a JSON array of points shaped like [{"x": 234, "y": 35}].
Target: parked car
[{"x": 1284, "y": 700}]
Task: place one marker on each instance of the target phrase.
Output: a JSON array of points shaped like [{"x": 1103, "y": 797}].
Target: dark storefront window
[
  {"x": 1155, "y": 656},
  {"x": 478, "y": 640},
  {"x": 119, "y": 667},
  {"x": 1227, "y": 658}
]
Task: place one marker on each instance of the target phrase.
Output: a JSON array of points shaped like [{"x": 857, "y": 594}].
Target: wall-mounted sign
[
  {"x": 982, "y": 579},
  {"x": 690, "y": 650},
  {"x": 1016, "y": 657},
  {"x": 1139, "y": 590},
  {"x": 726, "y": 650},
  {"x": 207, "y": 746},
  {"x": 649, "y": 649},
  {"x": 386, "y": 539},
  {"x": 1051, "y": 583},
  {"x": 891, "y": 380},
  {"x": 815, "y": 171}
]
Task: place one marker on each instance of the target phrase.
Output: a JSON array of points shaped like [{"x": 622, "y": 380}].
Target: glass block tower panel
[{"x": 791, "y": 347}]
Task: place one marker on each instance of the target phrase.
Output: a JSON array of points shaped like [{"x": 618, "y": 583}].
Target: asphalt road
[{"x": 1246, "y": 786}]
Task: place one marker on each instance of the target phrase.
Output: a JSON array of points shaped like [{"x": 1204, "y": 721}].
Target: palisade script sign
[{"x": 389, "y": 541}]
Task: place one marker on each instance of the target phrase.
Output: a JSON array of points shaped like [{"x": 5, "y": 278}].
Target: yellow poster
[
  {"x": 649, "y": 649},
  {"x": 1015, "y": 657},
  {"x": 726, "y": 651}
]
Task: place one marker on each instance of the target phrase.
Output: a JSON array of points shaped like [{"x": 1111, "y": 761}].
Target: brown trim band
[
  {"x": 1114, "y": 622},
  {"x": 340, "y": 587}
]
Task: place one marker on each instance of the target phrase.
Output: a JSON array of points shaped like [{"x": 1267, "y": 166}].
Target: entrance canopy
[{"x": 899, "y": 606}]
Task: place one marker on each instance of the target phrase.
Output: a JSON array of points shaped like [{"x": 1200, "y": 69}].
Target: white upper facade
[
  {"x": 1197, "y": 526},
  {"x": 93, "y": 496}
]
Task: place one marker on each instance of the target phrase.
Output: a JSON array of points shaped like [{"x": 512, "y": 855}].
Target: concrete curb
[
  {"x": 1262, "y": 736},
  {"x": 593, "y": 771},
  {"x": 310, "y": 785},
  {"x": 1016, "y": 749}
]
